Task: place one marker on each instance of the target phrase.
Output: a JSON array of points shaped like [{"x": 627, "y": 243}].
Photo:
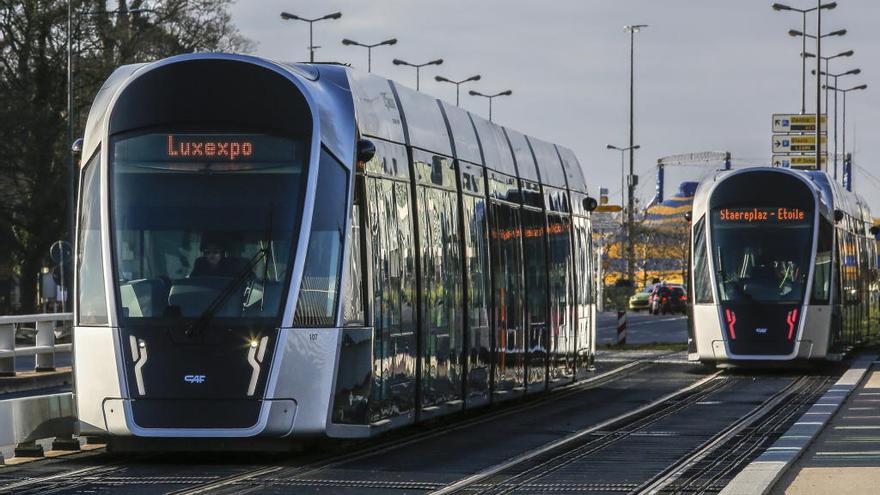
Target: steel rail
[
  {"x": 675, "y": 471},
  {"x": 64, "y": 479},
  {"x": 299, "y": 471},
  {"x": 772, "y": 415},
  {"x": 617, "y": 422}
]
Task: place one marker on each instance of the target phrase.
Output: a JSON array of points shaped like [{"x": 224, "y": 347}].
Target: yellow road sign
[
  {"x": 608, "y": 208},
  {"x": 799, "y": 161},
  {"x": 786, "y": 122},
  {"x": 796, "y": 143}
]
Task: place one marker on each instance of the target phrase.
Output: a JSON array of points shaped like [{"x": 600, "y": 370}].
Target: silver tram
[
  {"x": 783, "y": 268},
  {"x": 270, "y": 250}
]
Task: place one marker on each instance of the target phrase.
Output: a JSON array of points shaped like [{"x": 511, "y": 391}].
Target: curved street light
[
  {"x": 389, "y": 42},
  {"x": 782, "y": 7},
  {"x": 490, "y": 98},
  {"x": 457, "y": 83},
  {"x": 418, "y": 67},
  {"x": 827, "y": 87},
  {"x": 622, "y": 167},
  {"x": 293, "y": 17},
  {"x": 846, "y": 173}
]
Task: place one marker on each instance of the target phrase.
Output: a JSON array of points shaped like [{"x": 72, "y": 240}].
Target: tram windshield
[
  {"x": 759, "y": 255},
  {"x": 204, "y": 224}
]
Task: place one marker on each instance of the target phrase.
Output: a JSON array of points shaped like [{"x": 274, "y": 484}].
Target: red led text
[{"x": 230, "y": 150}]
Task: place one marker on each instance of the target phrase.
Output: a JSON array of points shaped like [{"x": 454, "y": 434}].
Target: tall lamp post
[
  {"x": 490, "y": 98},
  {"x": 291, "y": 17},
  {"x": 348, "y": 42},
  {"x": 418, "y": 67},
  {"x": 818, "y": 37},
  {"x": 845, "y": 91},
  {"x": 622, "y": 172},
  {"x": 457, "y": 83},
  {"x": 631, "y": 187},
  {"x": 780, "y": 7},
  {"x": 852, "y": 72},
  {"x": 848, "y": 53},
  {"x": 71, "y": 152}
]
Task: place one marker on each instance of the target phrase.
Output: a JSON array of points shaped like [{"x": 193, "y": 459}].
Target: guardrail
[{"x": 44, "y": 327}]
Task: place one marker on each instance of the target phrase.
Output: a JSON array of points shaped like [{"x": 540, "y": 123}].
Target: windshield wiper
[
  {"x": 198, "y": 326},
  {"x": 268, "y": 250}
]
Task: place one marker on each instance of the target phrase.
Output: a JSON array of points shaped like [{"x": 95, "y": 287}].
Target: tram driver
[{"x": 215, "y": 261}]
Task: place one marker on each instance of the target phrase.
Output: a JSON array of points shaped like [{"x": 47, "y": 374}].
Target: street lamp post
[
  {"x": 848, "y": 53},
  {"x": 291, "y": 17},
  {"x": 418, "y": 67},
  {"x": 630, "y": 248},
  {"x": 827, "y": 87},
  {"x": 622, "y": 170},
  {"x": 71, "y": 152},
  {"x": 347, "y": 42},
  {"x": 818, "y": 37},
  {"x": 781, "y": 7},
  {"x": 490, "y": 98},
  {"x": 457, "y": 83},
  {"x": 845, "y": 91}
]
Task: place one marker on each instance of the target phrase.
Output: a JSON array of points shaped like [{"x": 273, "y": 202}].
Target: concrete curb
[
  {"x": 761, "y": 475},
  {"x": 35, "y": 381}
]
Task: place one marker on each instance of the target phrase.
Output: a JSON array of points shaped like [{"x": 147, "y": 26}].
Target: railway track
[
  {"x": 116, "y": 471},
  {"x": 575, "y": 464}
]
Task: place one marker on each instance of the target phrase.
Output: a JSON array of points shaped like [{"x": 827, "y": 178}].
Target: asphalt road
[{"x": 643, "y": 328}]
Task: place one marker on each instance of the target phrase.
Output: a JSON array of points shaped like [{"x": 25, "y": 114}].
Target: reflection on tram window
[
  {"x": 196, "y": 232},
  {"x": 755, "y": 260}
]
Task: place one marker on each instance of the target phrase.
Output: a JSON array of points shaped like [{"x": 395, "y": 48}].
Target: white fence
[{"x": 44, "y": 328}]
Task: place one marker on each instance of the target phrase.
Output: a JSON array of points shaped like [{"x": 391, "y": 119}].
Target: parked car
[
  {"x": 640, "y": 300},
  {"x": 668, "y": 299}
]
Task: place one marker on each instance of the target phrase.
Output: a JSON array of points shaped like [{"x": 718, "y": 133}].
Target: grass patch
[{"x": 643, "y": 347}]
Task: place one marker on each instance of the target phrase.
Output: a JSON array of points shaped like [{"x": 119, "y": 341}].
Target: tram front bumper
[
  {"x": 803, "y": 350},
  {"x": 199, "y": 419}
]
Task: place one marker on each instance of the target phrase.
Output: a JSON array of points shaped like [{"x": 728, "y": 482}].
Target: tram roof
[
  {"x": 385, "y": 110},
  {"x": 832, "y": 196}
]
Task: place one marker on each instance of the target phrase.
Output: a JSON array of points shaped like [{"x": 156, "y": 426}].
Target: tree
[{"x": 33, "y": 99}]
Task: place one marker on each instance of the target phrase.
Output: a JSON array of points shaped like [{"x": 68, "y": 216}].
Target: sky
[{"x": 708, "y": 73}]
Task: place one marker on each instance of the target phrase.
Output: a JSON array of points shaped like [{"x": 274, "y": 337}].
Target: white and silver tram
[
  {"x": 271, "y": 250},
  {"x": 783, "y": 268}
]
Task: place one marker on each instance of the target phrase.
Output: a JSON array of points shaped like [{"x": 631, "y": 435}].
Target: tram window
[
  {"x": 189, "y": 227},
  {"x": 92, "y": 305},
  {"x": 319, "y": 289},
  {"x": 353, "y": 302},
  {"x": 702, "y": 280},
  {"x": 822, "y": 271},
  {"x": 754, "y": 256}
]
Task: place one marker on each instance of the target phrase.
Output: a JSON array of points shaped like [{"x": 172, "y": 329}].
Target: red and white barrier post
[{"x": 621, "y": 327}]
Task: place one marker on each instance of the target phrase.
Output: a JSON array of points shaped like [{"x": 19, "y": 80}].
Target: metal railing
[{"x": 43, "y": 327}]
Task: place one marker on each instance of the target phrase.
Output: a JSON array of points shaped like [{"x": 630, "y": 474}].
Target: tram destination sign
[
  {"x": 786, "y": 122},
  {"x": 159, "y": 148},
  {"x": 761, "y": 214},
  {"x": 804, "y": 162},
  {"x": 784, "y": 143}
]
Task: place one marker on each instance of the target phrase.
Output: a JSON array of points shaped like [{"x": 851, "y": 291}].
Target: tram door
[
  {"x": 584, "y": 293},
  {"x": 442, "y": 326},
  {"x": 536, "y": 296},
  {"x": 382, "y": 384},
  {"x": 507, "y": 262}
]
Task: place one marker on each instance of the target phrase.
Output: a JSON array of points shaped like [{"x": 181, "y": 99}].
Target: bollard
[{"x": 621, "y": 327}]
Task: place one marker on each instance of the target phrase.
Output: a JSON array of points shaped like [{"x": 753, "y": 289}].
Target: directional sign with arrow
[
  {"x": 784, "y": 143},
  {"x": 785, "y": 122},
  {"x": 807, "y": 162}
]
